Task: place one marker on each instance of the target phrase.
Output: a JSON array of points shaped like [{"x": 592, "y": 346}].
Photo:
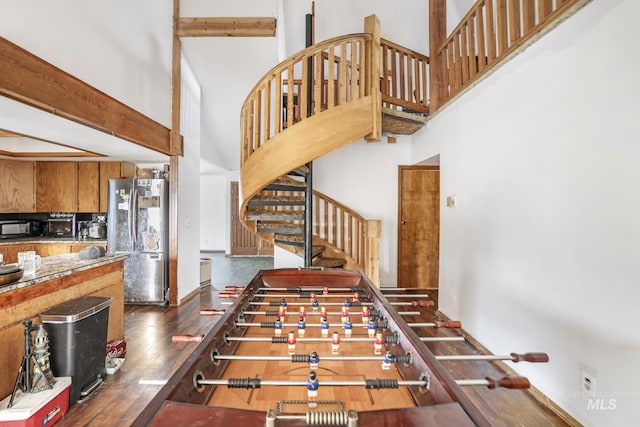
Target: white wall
[
  {"x": 364, "y": 176},
  {"x": 214, "y": 214},
  {"x": 541, "y": 252},
  {"x": 189, "y": 185}
]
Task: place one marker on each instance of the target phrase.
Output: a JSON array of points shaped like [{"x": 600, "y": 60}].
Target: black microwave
[
  {"x": 61, "y": 225},
  {"x": 18, "y": 228}
]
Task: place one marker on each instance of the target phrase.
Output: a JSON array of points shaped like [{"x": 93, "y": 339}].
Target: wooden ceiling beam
[{"x": 226, "y": 27}]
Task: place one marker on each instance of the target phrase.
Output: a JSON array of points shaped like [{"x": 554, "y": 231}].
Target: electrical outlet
[{"x": 588, "y": 384}]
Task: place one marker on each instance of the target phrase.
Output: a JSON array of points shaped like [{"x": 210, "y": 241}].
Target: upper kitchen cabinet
[
  {"x": 88, "y": 186},
  {"x": 109, "y": 170},
  {"x": 56, "y": 186},
  {"x": 17, "y": 186}
]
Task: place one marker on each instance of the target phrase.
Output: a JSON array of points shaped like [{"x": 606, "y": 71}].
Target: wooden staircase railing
[
  {"x": 491, "y": 31},
  {"x": 405, "y": 78}
]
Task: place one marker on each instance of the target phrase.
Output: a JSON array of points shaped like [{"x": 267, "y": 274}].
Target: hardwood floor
[{"x": 152, "y": 356}]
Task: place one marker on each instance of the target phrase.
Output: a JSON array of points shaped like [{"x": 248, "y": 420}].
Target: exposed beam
[
  {"x": 33, "y": 81},
  {"x": 226, "y": 27}
]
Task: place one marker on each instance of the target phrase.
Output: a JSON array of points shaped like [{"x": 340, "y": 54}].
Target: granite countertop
[
  {"x": 57, "y": 266},
  {"x": 60, "y": 240}
]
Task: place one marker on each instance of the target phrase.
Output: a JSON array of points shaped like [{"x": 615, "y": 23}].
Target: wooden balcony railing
[
  {"x": 490, "y": 31},
  {"x": 405, "y": 78},
  {"x": 336, "y": 69}
]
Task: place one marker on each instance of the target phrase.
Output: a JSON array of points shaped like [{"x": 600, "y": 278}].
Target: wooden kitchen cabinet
[
  {"x": 10, "y": 252},
  {"x": 51, "y": 249},
  {"x": 88, "y": 186},
  {"x": 109, "y": 170},
  {"x": 76, "y": 247},
  {"x": 56, "y": 186},
  {"x": 17, "y": 186}
]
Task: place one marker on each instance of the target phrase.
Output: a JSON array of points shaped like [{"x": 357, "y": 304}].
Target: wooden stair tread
[
  {"x": 287, "y": 184},
  {"x": 276, "y": 199},
  {"x": 279, "y": 227},
  {"x": 255, "y": 213},
  {"x": 329, "y": 262},
  {"x": 402, "y": 122}
]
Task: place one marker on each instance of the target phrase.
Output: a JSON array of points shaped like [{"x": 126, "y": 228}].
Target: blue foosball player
[{"x": 312, "y": 389}]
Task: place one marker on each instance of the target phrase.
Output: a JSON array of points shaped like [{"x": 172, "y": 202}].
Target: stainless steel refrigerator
[{"x": 138, "y": 224}]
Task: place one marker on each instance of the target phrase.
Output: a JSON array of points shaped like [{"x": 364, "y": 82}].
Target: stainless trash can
[{"x": 77, "y": 342}]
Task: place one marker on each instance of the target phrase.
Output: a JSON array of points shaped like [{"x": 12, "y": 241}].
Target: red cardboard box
[
  {"x": 116, "y": 349},
  {"x": 37, "y": 409}
]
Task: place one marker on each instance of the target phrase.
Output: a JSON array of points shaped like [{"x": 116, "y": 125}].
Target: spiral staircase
[{"x": 318, "y": 100}]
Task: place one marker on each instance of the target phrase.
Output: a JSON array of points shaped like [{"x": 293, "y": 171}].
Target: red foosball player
[
  {"x": 365, "y": 315},
  {"x": 312, "y": 389},
  {"x": 356, "y": 296},
  {"x": 282, "y": 308},
  {"x": 277, "y": 326},
  {"x": 378, "y": 342},
  {"x": 325, "y": 291},
  {"x": 302, "y": 313},
  {"x": 291, "y": 342},
  {"x": 344, "y": 314},
  {"x": 335, "y": 343},
  {"x": 323, "y": 311}
]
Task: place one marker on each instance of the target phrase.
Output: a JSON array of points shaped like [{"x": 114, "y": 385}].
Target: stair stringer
[{"x": 302, "y": 143}]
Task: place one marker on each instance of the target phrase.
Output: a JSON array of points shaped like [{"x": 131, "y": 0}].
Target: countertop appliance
[
  {"x": 138, "y": 224},
  {"x": 11, "y": 229},
  {"x": 61, "y": 224}
]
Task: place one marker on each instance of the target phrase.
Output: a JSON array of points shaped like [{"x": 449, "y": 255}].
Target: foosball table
[{"x": 304, "y": 347}]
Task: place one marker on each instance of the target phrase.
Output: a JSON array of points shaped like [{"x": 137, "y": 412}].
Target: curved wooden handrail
[{"x": 337, "y": 70}]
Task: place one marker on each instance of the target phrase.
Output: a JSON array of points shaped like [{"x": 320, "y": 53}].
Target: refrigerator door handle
[
  {"x": 130, "y": 216},
  {"x": 134, "y": 215}
]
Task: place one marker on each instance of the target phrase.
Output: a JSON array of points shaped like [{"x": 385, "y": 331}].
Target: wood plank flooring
[{"x": 152, "y": 356}]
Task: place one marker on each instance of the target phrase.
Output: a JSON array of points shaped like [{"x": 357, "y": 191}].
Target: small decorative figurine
[
  {"x": 348, "y": 326},
  {"x": 324, "y": 327},
  {"x": 291, "y": 342},
  {"x": 377, "y": 343},
  {"x": 389, "y": 358},
  {"x": 301, "y": 327},
  {"x": 312, "y": 389},
  {"x": 277, "y": 326},
  {"x": 43, "y": 378},
  {"x": 314, "y": 359},
  {"x": 335, "y": 343}
]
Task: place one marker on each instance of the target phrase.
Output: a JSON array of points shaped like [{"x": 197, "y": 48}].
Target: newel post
[
  {"x": 437, "y": 36},
  {"x": 373, "y": 75},
  {"x": 372, "y": 256}
]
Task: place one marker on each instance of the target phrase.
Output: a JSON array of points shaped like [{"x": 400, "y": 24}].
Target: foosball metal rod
[
  {"x": 330, "y": 313},
  {"x": 514, "y": 357},
  {"x": 253, "y": 383},
  {"x": 437, "y": 324},
  {"x": 424, "y": 303},
  {"x": 302, "y": 358},
  {"x": 340, "y": 295}
]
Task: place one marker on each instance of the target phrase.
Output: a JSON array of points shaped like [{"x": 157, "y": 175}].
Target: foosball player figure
[
  {"x": 347, "y": 303},
  {"x": 335, "y": 343},
  {"x": 314, "y": 302},
  {"x": 344, "y": 314},
  {"x": 325, "y": 291},
  {"x": 323, "y": 311},
  {"x": 356, "y": 296},
  {"x": 301, "y": 327},
  {"x": 371, "y": 328},
  {"x": 291, "y": 342},
  {"x": 314, "y": 359},
  {"x": 282, "y": 309},
  {"x": 365, "y": 315},
  {"x": 324, "y": 327},
  {"x": 312, "y": 389},
  {"x": 302, "y": 312},
  {"x": 348, "y": 327},
  {"x": 388, "y": 359},
  {"x": 378, "y": 342},
  {"x": 277, "y": 326}
]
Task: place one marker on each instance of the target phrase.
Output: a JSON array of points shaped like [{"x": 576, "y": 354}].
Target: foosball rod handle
[
  {"x": 187, "y": 338},
  {"x": 530, "y": 357},
  {"x": 504, "y": 382},
  {"x": 211, "y": 312}
]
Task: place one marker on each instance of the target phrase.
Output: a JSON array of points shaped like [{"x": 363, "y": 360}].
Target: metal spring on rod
[
  {"x": 267, "y": 324},
  {"x": 404, "y": 358},
  {"x": 299, "y": 358},
  {"x": 392, "y": 339},
  {"x": 379, "y": 383},
  {"x": 271, "y": 313},
  {"x": 325, "y": 418},
  {"x": 278, "y": 340},
  {"x": 243, "y": 383}
]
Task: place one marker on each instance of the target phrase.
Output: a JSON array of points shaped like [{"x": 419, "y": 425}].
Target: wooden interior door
[
  {"x": 243, "y": 242},
  {"x": 418, "y": 226}
]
